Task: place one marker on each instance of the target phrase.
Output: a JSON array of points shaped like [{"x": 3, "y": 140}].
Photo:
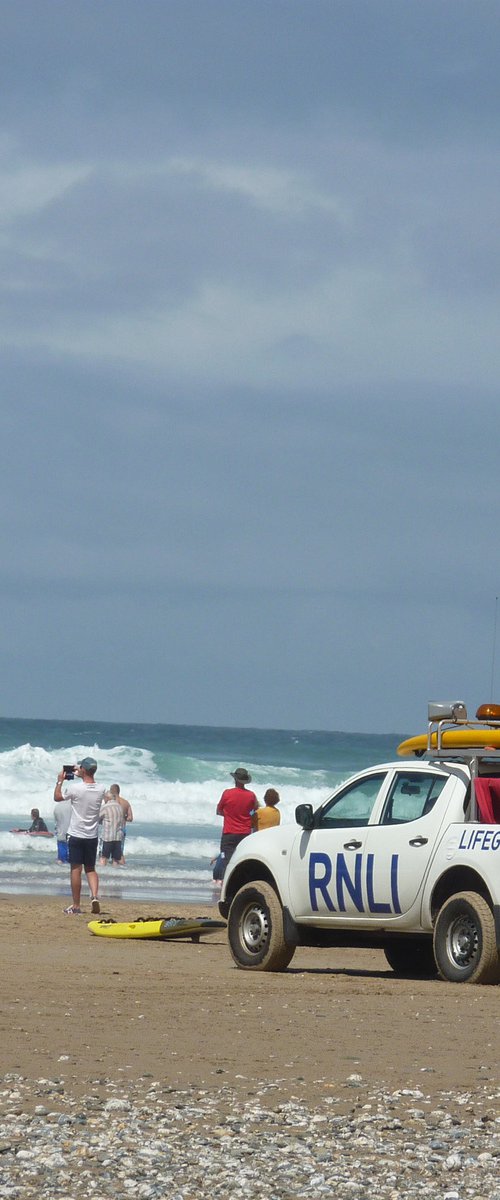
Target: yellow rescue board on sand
[
  {"x": 163, "y": 928},
  {"x": 454, "y": 739}
]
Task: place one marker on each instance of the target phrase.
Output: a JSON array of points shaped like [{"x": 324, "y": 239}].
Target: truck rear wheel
[
  {"x": 411, "y": 959},
  {"x": 464, "y": 940},
  {"x": 255, "y": 929}
]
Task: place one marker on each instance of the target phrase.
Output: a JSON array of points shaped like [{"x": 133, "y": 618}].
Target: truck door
[
  {"x": 327, "y": 871},
  {"x": 400, "y": 847}
]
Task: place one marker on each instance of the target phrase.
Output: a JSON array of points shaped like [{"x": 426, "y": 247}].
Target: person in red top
[{"x": 236, "y": 806}]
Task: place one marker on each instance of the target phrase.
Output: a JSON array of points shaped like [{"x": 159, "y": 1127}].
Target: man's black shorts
[
  {"x": 82, "y": 852},
  {"x": 112, "y": 850}
]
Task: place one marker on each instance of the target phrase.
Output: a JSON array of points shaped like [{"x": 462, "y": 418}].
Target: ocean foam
[
  {"x": 175, "y": 832},
  {"x": 28, "y": 775}
]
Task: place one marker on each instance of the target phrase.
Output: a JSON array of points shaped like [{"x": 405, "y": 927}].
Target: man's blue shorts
[{"x": 82, "y": 852}]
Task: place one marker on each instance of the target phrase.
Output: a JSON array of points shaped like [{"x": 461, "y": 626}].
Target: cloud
[
  {"x": 357, "y": 326},
  {"x": 224, "y": 271},
  {"x": 279, "y": 191},
  {"x": 26, "y": 190},
  {"x": 248, "y": 318}
]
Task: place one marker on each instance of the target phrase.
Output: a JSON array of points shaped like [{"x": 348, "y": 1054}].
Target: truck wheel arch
[
  {"x": 457, "y": 879},
  {"x": 248, "y": 872}
]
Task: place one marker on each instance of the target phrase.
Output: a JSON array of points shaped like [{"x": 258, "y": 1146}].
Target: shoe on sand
[
  {"x": 72, "y": 911},
  {"x": 95, "y": 906}
]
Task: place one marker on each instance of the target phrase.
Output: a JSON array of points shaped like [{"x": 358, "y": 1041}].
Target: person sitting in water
[
  {"x": 264, "y": 818},
  {"x": 37, "y": 824}
]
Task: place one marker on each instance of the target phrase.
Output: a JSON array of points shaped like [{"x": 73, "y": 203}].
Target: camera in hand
[{"x": 69, "y": 772}]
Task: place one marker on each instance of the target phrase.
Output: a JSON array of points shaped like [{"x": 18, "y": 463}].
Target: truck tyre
[
  {"x": 255, "y": 929},
  {"x": 411, "y": 959},
  {"x": 464, "y": 940}
]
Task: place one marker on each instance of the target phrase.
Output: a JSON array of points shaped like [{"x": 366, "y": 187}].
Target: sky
[{"x": 249, "y": 334}]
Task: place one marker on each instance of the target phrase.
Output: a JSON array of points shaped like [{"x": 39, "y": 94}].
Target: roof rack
[
  {"x": 453, "y": 716},
  {"x": 464, "y": 754}
]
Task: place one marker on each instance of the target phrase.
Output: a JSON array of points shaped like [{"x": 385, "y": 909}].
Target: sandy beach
[
  {"x": 89, "y": 1014},
  {"x": 185, "y": 1011}
]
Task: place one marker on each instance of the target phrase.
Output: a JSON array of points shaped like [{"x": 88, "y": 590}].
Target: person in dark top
[{"x": 37, "y": 824}]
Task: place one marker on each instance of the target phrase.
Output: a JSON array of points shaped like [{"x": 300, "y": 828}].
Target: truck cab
[{"x": 403, "y": 855}]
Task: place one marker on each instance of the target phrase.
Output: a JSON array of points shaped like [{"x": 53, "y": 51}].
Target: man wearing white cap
[{"x": 86, "y": 800}]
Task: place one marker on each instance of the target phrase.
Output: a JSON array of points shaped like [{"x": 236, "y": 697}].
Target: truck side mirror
[{"x": 304, "y": 816}]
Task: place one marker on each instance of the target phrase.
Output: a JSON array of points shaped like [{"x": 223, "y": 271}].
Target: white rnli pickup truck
[{"x": 404, "y": 856}]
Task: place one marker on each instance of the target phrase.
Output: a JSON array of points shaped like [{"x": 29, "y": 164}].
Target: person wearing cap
[
  {"x": 86, "y": 798},
  {"x": 236, "y": 806}
]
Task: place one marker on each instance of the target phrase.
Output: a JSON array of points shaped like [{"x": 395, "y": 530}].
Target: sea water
[{"x": 173, "y": 776}]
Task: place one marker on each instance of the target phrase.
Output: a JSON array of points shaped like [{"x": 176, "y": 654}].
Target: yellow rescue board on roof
[
  {"x": 164, "y": 928},
  {"x": 454, "y": 739}
]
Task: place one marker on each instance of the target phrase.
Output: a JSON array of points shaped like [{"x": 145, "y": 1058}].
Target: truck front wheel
[
  {"x": 255, "y": 929},
  {"x": 465, "y": 946}
]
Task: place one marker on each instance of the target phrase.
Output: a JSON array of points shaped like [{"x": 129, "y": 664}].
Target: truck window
[
  {"x": 413, "y": 794},
  {"x": 353, "y": 807}
]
